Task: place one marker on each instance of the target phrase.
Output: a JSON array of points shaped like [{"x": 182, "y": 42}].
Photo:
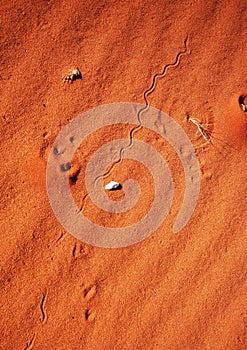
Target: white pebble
[{"x": 113, "y": 185}]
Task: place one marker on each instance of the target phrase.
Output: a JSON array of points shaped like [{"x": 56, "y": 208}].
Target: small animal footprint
[
  {"x": 74, "y": 173},
  {"x": 89, "y": 315},
  {"x": 79, "y": 250},
  {"x": 89, "y": 292}
]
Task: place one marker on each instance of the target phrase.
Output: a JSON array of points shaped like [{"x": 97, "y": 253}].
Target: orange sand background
[{"x": 185, "y": 291}]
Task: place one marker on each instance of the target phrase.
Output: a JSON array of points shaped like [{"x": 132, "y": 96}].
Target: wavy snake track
[{"x": 141, "y": 111}]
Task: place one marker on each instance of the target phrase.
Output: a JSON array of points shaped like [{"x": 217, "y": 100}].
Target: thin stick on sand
[{"x": 201, "y": 129}]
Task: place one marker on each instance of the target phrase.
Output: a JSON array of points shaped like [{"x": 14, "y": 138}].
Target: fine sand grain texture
[{"x": 170, "y": 291}]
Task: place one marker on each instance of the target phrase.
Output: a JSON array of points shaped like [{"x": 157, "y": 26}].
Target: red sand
[{"x": 184, "y": 291}]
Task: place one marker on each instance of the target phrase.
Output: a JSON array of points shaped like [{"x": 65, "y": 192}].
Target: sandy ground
[{"x": 184, "y": 291}]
